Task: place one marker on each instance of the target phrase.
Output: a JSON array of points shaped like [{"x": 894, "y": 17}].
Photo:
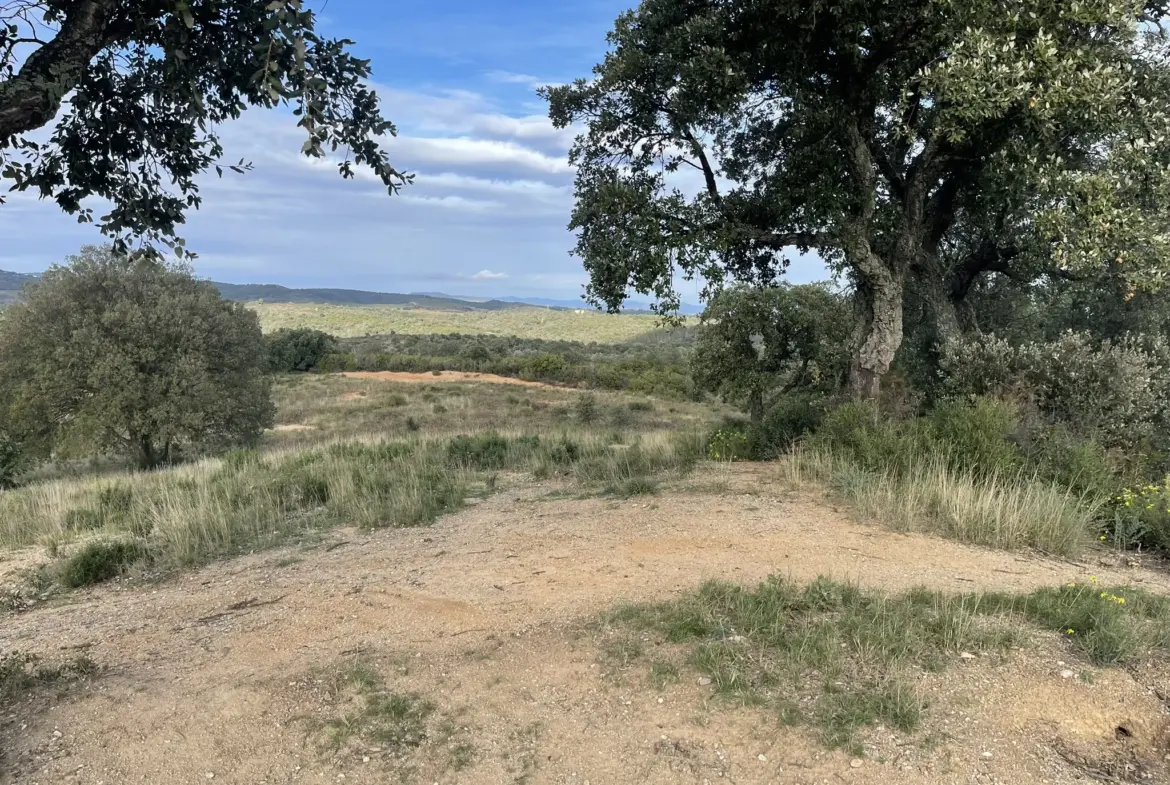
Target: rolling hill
[{"x": 11, "y": 283}]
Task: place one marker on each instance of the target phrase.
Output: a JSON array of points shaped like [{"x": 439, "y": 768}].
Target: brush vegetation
[
  {"x": 838, "y": 657},
  {"x": 349, "y": 321}
]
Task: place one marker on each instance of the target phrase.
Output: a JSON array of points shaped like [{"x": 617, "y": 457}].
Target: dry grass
[
  {"x": 100, "y": 527},
  {"x": 1009, "y": 512},
  {"x": 352, "y": 321},
  {"x": 334, "y": 407}
]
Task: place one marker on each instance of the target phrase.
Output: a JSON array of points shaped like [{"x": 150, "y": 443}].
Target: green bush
[
  {"x": 484, "y": 451},
  {"x": 727, "y": 444},
  {"x": 1069, "y": 461},
  {"x": 1118, "y": 392},
  {"x": 585, "y": 408},
  {"x": 977, "y": 436},
  {"x": 12, "y": 461},
  {"x": 301, "y": 349},
  {"x": 791, "y": 419},
  {"x": 1141, "y": 517},
  {"x": 99, "y": 561},
  {"x": 859, "y": 431}
]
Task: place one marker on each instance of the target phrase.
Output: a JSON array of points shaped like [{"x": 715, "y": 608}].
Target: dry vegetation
[{"x": 352, "y": 321}]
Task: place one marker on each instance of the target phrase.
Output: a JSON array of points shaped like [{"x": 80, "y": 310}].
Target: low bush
[
  {"x": 12, "y": 461},
  {"x": 99, "y": 560}
]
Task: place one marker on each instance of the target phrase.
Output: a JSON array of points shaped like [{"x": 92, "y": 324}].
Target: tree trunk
[
  {"x": 148, "y": 457},
  {"x": 879, "y": 330},
  {"x": 756, "y": 406}
]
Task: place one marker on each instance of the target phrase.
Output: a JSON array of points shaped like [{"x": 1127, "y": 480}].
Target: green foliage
[
  {"x": 753, "y": 342},
  {"x": 1115, "y": 391},
  {"x": 12, "y": 460},
  {"x": 585, "y": 408},
  {"x": 1141, "y": 517},
  {"x": 789, "y": 420},
  {"x": 729, "y": 445},
  {"x": 149, "y": 83},
  {"x": 125, "y": 354},
  {"x": 298, "y": 350},
  {"x": 839, "y": 658},
  {"x": 859, "y": 432},
  {"x": 483, "y": 451},
  {"x": 99, "y": 560},
  {"x": 977, "y": 437},
  {"x": 954, "y": 141}
]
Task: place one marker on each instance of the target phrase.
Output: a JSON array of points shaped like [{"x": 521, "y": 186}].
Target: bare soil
[
  {"x": 444, "y": 376},
  {"x": 223, "y": 674}
]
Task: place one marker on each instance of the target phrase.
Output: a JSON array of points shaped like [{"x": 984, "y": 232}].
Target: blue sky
[{"x": 487, "y": 214}]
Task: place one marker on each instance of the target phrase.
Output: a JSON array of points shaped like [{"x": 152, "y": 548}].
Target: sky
[{"x": 487, "y": 214}]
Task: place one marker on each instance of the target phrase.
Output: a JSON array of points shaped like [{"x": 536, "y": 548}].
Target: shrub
[
  {"x": 99, "y": 561},
  {"x": 302, "y": 349},
  {"x": 859, "y": 432},
  {"x": 585, "y": 408},
  {"x": 550, "y": 367},
  {"x": 792, "y": 418},
  {"x": 12, "y": 461},
  {"x": 1141, "y": 517},
  {"x": 978, "y": 436},
  {"x": 729, "y": 445},
  {"x": 485, "y": 451},
  {"x": 1115, "y": 391}
]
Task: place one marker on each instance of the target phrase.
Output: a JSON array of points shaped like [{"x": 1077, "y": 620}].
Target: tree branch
[{"x": 30, "y": 99}]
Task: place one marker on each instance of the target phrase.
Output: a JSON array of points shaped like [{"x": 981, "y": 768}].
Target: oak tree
[
  {"x": 130, "y": 93},
  {"x": 122, "y": 353},
  {"x": 923, "y": 143}
]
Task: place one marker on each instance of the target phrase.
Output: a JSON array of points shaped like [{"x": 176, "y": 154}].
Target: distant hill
[
  {"x": 11, "y": 283},
  {"x": 274, "y": 293}
]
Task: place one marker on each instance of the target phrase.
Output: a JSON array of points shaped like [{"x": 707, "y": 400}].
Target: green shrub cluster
[{"x": 298, "y": 350}]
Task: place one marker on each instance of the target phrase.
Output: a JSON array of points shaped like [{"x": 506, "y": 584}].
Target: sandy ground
[
  {"x": 218, "y": 675},
  {"x": 444, "y": 376}
]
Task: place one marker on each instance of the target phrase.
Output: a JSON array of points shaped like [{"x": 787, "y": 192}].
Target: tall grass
[
  {"x": 1009, "y": 510},
  {"x": 188, "y": 515}
]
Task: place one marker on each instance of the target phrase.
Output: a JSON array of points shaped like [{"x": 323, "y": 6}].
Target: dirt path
[
  {"x": 213, "y": 674},
  {"x": 444, "y": 376}
]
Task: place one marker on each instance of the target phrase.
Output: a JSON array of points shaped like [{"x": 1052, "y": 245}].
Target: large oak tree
[
  {"x": 923, "y": 143},
  {"x": 134, "y": 90}
]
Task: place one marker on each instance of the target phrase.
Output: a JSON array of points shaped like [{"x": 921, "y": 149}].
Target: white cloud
[
  {"x": 435, "y": 152},
  {"x": 488, "y": 275},
  {"x": 528, "y": 80}
]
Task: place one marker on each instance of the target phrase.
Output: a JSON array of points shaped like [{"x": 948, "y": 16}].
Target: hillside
[
  {"x": 353, "y": 321},
  {"x": 11, "y": 283}
]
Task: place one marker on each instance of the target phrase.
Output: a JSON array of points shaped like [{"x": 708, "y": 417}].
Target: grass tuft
[{"x": 839, "y": 658}]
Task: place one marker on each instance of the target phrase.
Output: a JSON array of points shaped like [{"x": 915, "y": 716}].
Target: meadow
[{"x": 349, "y": 321}]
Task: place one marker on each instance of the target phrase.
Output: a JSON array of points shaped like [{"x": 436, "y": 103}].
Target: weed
[
  {"x": 22, "y": 673},
  {"x": 837, "y": 657},
  {"x": 394, "y": 721},
  {"x": 99, "y": 561},
  {"x": 585, "y": 408},
  {"x": 634, "y": 486},
  {"x": 663, "y": 673}
]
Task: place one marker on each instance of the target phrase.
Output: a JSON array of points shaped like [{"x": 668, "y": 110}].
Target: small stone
[
  {"x": 987, "y": 755},
  {"x": 704, "y": 681},
  {"x": 967, "y": 655},
  {"x": 365, "y": 759},
  {"x": 762, "y": 757},
  {"x": 855, "y": 763},
  {"x": 1066, "y": 674},
  {"x": 210, "y": 775},
  {"x": 57, "y": 734}
]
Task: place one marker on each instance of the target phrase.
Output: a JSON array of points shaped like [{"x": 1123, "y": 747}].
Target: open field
[
  {"x": 349, "y": 321},
  {"x": 458, "y": 581}
]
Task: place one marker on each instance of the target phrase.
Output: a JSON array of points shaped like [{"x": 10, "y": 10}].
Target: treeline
[{"x": 657, "y": 365}]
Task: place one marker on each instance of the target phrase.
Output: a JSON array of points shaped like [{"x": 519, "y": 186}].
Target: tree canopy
[
  {"x": 146, "y": 84},
  {"x": 125, "y": 354},
  {"x": 758, "y": 343},
  {"x": 927, "y": 144}
]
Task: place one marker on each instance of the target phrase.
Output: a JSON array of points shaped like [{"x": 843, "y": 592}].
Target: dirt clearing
[
  {"x": 250, "y": 671},
  {"x": 444, "y": 376}
]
